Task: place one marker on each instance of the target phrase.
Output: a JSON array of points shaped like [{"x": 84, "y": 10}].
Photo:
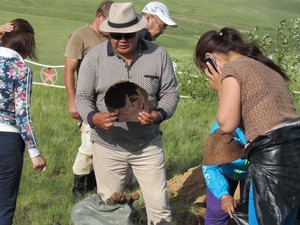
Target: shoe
[
  {"x": 90, "y": 183},
  {"x": 78, "y": 187}
]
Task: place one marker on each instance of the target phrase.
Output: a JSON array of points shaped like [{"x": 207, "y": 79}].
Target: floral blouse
[{"x": 15, "y": 92}]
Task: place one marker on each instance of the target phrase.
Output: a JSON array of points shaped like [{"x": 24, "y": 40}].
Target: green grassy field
[{"x": 46, "y": 197}]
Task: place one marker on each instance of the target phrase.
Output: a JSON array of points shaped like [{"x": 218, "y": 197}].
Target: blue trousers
[
  {"x": 214, "y": 214},
  {"x": 11, "y": 164}
]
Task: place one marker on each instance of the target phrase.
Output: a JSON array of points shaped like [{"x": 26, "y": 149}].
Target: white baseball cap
[{"x": 159, "y": 9}]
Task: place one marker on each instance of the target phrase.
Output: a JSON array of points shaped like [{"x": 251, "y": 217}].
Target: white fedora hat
[{"x": 122, "y": 18}]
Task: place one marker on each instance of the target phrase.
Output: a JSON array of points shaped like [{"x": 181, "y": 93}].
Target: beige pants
[
  {"x": 111, "y": 166},
  {"x": 83, "y": 164}
]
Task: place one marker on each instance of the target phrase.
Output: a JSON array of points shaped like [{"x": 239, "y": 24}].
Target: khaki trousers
[
  {"x": 148, "y": 166},
  {"x": 83, "y": 163}
]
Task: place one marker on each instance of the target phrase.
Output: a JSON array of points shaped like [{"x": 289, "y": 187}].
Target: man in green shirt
[{"x": 80, "y": 42}]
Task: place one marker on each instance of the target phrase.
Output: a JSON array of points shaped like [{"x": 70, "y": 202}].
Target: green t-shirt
[{"x": 81, "y": 41}]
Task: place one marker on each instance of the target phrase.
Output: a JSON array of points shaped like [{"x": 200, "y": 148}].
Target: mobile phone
[{"x": 212, "y": 62}]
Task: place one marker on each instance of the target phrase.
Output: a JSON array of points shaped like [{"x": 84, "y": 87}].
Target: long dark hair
[
  {"x": 229, "y": 39},
  {"x": 21, "y": 39}
]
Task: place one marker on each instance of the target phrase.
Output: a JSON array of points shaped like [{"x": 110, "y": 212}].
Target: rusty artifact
[
  {"x": 122, "y": 198},
  {"x": 127, "y": 100}
]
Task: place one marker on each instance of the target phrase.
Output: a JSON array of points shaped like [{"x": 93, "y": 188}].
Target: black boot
[
  {"x": 90, "y": 182},
  {"x": 78, "y": 187}
]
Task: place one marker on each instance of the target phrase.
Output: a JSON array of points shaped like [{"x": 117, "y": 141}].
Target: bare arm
[
  {"x": 229, "y": 108},
  {"x": 71, "y": 65}
]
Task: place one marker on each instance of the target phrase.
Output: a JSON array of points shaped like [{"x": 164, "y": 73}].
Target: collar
[
  {"x": 144, "y": 33},
  {"x": 7, "y": 52}
]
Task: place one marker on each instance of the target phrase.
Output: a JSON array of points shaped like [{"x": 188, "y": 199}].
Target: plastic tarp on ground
[{"x": 91, "y": 211}]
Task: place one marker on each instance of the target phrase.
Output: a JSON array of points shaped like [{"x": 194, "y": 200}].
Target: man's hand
[
  {"x": 39, "y": 163},
  {"x": 147, "y": 118},
  {"x": 104, "y": 120},
  {"x": 73, "y": 112},
  {"x": 228, "y": 204}
]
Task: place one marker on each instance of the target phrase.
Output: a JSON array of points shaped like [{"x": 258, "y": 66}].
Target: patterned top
[
  {"x": 15, "y": 91},
  {"x": 265, "y": 97},
  {"x": 151, "y": 69}
]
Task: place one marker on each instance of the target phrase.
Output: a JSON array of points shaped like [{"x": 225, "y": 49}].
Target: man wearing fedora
[
  {"x": 120, "y": 145},
  {"x": 157, "y": 15}
]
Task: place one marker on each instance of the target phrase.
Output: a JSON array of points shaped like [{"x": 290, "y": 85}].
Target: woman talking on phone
[
  {"x": 16, "y": 129},
  {"x": 254, "y": 94}
]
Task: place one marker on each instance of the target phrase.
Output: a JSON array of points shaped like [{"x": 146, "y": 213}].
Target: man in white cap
[
  {"x": 158, "y": 18},
  {"x": 118, "y": 145}
]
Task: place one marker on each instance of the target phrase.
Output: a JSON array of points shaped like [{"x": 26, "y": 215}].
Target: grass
[{"x": 46, "y": 197}]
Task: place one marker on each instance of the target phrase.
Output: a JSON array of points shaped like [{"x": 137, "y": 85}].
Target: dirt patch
[{"x": 188, "y": 197}]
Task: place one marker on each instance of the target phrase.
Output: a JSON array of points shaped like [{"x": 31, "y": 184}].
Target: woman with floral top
[{"x": 16, "y": 129}]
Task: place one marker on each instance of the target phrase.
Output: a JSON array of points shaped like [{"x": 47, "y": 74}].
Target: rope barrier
[
  {"x": 49, "y": 85},
  {"x": 43, "y": 65},
  {"x": 62, "y": 66}
]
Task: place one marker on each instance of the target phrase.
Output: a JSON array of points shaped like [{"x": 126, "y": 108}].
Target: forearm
[
  {"x": 70, "y": 89},
  {"x": 85, "y": 106},
  {"x": 168, "y": 95},
  {"x": 215, "y": 181},
  {"x": 23, "y": 116},
  {"x": 85, "y": 92},
  {"x": 167, "y": 104},
  {"x": 69, "y": 77}
]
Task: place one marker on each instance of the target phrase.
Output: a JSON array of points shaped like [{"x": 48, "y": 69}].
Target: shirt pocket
[{"x": 151, "y": 84}]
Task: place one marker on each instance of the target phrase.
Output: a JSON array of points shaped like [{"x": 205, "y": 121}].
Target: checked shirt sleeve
[{"x": 168, "y": 94}]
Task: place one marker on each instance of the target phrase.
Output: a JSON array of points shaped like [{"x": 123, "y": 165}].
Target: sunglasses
[{"x": 119, "y": 36}]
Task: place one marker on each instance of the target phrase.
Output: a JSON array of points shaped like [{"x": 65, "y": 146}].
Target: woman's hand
[
  {"x": 214, "y": 78},
  {"x": 39, "y": 163},
  {"x": 7, "y": 27}
]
